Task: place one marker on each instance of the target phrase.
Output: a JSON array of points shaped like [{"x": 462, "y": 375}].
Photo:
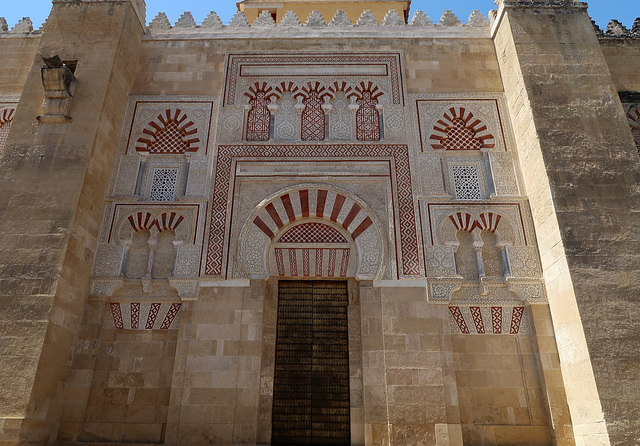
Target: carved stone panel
[
  {"x": 395, "y": 129},
  {"x": 504, "y": 175},
  {"x": 431, "y": 173},
  {"x": 188, "y": 261},
  {"x": 127, "y": 176},
  {"x": 108, "y": 260},
  {"x": 524, "y": 261},
  {"x": 440, "y": 261}
]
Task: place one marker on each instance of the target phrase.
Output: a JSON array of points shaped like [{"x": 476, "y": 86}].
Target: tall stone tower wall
[{"x": 54, "y": 179}]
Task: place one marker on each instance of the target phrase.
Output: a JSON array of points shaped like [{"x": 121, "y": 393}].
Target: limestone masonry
[{"x": 325, "y": 222}]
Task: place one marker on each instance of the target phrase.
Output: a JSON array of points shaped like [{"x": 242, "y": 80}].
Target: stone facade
[{"x": 473, "y": 187}]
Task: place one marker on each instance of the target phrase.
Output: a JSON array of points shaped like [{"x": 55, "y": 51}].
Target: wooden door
[{"x": 311, "y": 381}]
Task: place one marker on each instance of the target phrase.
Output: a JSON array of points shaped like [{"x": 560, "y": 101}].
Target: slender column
[{"x": 141, "y": 169}]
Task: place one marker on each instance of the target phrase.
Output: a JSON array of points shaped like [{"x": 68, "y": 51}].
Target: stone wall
[
  {"x": 17, "y": 56},
  {"x": 500, "y": 391},
  {"x": 623, "y": 59},
  {"x": 196, "y": 67}
]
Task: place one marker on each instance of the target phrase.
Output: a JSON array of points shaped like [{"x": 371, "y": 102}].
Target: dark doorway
[{"x": 311, "y": 380}]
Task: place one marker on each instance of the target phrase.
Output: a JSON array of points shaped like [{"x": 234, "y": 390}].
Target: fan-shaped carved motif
[
  {"x": 273, "y": 218},
  {"x": 488, "y": 221},
  {"x": 459, "y": 130},
  {"x": 463, "y": 221},
  {"x": 342, "y": 86},
  {"x": 171, "y": 133},
  {"x": 142, "y": 220},
  {"x": 168, "y": 221},
  {"x": 165, "y": 221},
  {"x": 287, "y": 86}
]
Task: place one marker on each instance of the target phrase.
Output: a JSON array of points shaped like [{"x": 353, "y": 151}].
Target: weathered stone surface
[
  {"x": 143, "y": 348},
  {"x": 238, "y": 20},
  {"x": 290, "y": 19},
  {"x": 23, "y": 26},
  {"x": 393, "y": 19},
  {"x": 449, "y": 19},
  {"x": 421, "y": 19},
  {"x": 264, "y": 20},
  {"x": 160, "y": 21},
  {"x": 315, "y": 20},
  {"x": 186, "y": 21},
  {"x": 340, "y": 19},
  {"x": 212, "y": 21}
]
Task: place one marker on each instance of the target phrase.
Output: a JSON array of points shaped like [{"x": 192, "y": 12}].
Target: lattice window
[
  {"x": 367, "y": 118},
  {"x": 313, "y": 120},
  {"x": 312, "y": 233},
  {"x": 459, "y": 130},
  {"x": 163, "y": 184},
  {"x": 6, "y": 118},
  {"x": 259, "y": 118},
  {"x": 170, "y": 133},
  {"x": 467, "y": 182}
]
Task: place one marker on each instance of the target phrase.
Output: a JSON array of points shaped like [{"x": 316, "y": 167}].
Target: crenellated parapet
[
  {"x": 616, "y": 30},
  {"x": 23, "y": 27},
  {"x": 392, "y": 20},
  {"x": 315, "y": 20}
]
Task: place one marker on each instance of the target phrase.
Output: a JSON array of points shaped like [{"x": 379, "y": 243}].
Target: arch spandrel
[{"x": 362, "y": 254}]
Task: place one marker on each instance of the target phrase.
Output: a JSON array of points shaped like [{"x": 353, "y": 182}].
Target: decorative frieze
[
  {"x": 143, "y": 316},
  {"x": 483, "y": 320}
]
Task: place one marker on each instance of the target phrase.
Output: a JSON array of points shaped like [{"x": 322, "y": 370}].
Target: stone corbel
[
  {"x": 146, "y": 284},
  {"x": 187, "y": 287},
  {"x": 59, "y": 84},
  {"x": 531, "y": 291},
  {"x": 141, "y": 170},
  {"x": 440, "y": 291},
  {"x": 486, "y": 165},
  {"x": 102, "y": 286}
]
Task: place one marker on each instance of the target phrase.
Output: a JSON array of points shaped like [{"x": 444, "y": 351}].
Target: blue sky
[{"x": 600, "y": 10}]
